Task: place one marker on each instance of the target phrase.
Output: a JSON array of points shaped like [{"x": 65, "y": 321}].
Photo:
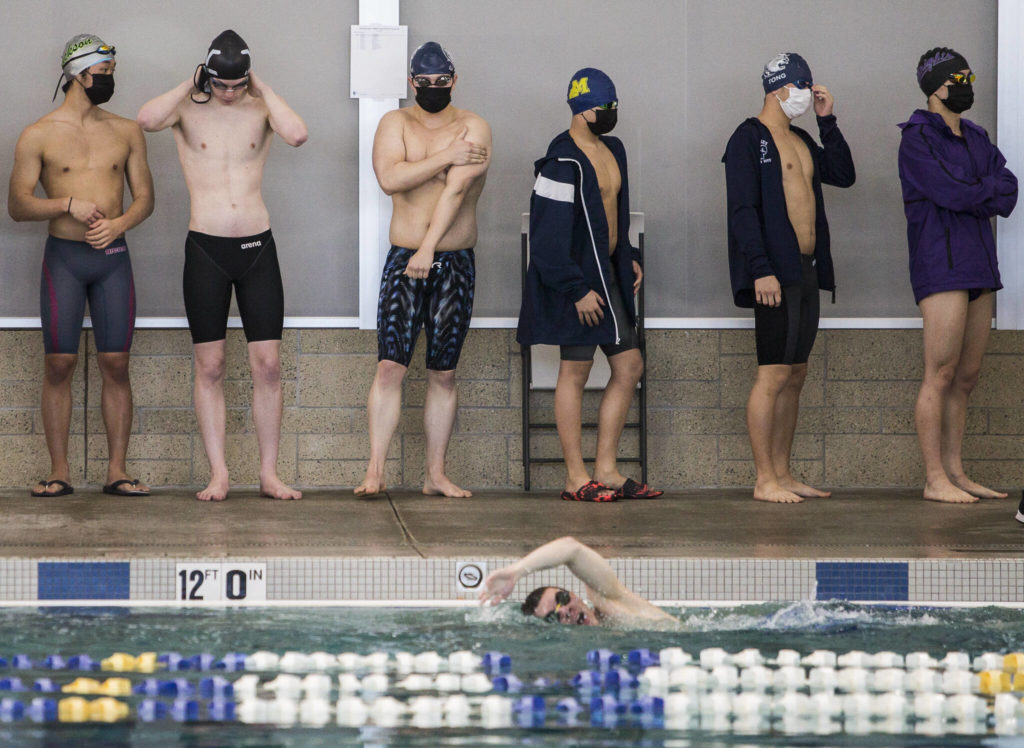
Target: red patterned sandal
[{"x": 592, "y": 491}]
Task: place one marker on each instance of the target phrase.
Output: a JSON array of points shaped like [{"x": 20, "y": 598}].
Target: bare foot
[
  {"x": 444, "y": 487},
  {"x": 775, "y": 493},
  {"x": 948, "y": 493},
  {"x": 273, "y": 487},
  {"x": 802, "y": 489},
  {"x": 976, "y": 489},
  {"x": 216, "y": 490},
  {"x": 371, "y": 485}
]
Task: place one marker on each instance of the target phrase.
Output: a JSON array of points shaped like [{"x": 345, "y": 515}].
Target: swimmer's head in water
[
  {"x": 81, "y": 52},
  {"x": 431, "y": 59},
  {"x": 589, "y": 88},
  {"x": 227, "y": 59},
  {"x": 555, "y": 605}
]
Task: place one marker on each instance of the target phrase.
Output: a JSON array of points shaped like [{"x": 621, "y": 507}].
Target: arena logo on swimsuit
[
  {"x": 250, "y": 245},
  {"x": 580, "y": 86}
]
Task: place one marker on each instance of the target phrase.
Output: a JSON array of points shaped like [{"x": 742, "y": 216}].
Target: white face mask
[{"x": 799, "y": 102}]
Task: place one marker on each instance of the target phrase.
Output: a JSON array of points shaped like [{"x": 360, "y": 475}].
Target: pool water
[{"x": 536, "y": 649}]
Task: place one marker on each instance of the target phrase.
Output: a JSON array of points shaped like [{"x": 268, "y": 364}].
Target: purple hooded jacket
[{"x": 952, "y": 187}]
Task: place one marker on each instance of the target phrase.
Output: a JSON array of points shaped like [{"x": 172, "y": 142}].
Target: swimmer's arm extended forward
[
  {"x": 283, "y": 119},
  {"x": 584, "y": 562},
  {"x": 457, "y": 182},
  {"x": 395, "y": 174},
  {"x": 103, "y": 231},
  {"x": 164, "y": 111}
]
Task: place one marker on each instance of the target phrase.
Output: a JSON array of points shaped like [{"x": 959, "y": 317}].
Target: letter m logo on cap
[{"x": 579, "y": 87}]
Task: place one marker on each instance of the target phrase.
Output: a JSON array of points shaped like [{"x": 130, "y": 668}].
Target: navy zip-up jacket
[
  {"x": 952, "y": 187},
  {"x": 761, "y": 238},
  {"x": 569, "y": 248}
]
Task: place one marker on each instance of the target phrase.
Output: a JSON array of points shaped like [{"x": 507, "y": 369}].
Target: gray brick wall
[{"x": 856, "y": 425}]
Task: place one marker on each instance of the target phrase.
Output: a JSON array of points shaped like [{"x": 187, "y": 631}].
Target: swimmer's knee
[
  {"x": 59, "y": 367},
  {"x": 966, "y": 381},
  {"x": 210, "y": 368},
  {"x": 113, "y": 367},
  {"x": 797, "y": 375},
  {"x": 941, "y": 376},
  {"x": 631, "y": 367},
  {"x": 265, "y": 364},
  {"x": 444, "y": 379},
  {"x": 390, "y": 373}
]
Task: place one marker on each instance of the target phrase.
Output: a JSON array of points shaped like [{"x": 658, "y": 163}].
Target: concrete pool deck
[{"x": 868, "y": 524}]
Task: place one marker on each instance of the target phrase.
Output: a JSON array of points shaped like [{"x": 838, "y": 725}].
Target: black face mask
[
  {"x": 102, "y": 88},
  {"x": 433, "y": 99},
  {"x": 605, "y": 121},
  {"x": 961, "y": 97}
]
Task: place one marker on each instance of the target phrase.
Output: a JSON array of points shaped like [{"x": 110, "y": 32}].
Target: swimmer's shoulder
[{"x": 474, "y": 121}]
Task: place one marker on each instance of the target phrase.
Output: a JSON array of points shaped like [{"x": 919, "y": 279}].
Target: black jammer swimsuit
[{"x": 213, "y": 264}]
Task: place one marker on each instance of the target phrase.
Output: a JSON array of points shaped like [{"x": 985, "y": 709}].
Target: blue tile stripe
[
  {"x": 856, "y": 580},
  {"x": 75, "y": 580}
]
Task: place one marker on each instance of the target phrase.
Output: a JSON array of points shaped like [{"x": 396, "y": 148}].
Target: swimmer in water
[{"x": 611, "y": 602}]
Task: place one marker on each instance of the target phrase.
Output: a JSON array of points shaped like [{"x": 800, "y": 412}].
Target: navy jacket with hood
[
  {"x": 952, "y": 187},
  {"x": 569, "y": 249},
  {"x": 761, "y": 238}
]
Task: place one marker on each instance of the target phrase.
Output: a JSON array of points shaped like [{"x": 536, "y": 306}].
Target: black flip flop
[
  {"x": 633, "y": 490},
  {"x": 65, "y": 488},
  {"x": 114, "y": 489}
]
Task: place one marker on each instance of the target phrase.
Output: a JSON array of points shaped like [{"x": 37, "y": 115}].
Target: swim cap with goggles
[
  {"x": 227, "y": 58},
  {"x": 431, "y": 59},
  {"x": 935, "y": 66},
  {"x": 588, "y": 88},
  {"x": 80, "y": 53},
  {"x": 786, "y": 67}
]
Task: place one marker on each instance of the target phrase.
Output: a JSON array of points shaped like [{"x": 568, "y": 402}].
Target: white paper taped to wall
[{"x": 379, "y": 58}]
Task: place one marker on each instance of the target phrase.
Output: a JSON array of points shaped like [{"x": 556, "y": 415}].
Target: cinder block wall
[{"x": 856, "y": 425}]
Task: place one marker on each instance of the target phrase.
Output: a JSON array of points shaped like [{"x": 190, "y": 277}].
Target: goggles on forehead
[
  {"x": 105, "y": 50},
  {"x": 562, "y": 598}
]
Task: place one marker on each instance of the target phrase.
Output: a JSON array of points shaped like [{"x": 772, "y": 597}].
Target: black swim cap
[{"x": 228, "y": 57}]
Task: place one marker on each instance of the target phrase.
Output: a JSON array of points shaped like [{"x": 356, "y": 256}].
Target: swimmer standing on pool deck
[
  {"x": 581, "y": 282},
  {"x": 224, "y": 119},
  {"x": 954, "y": 182},
  {"x": 432, "y": 159},
  {"x": 81, "y": 155},
  {"x": 779, "y": 254}
]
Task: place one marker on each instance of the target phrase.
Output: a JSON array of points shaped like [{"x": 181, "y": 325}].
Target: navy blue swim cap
[
  {"x": 431, "y": 59},
  {"x": 787, "y": 67},
  {"x": 589, "y": 88}
]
